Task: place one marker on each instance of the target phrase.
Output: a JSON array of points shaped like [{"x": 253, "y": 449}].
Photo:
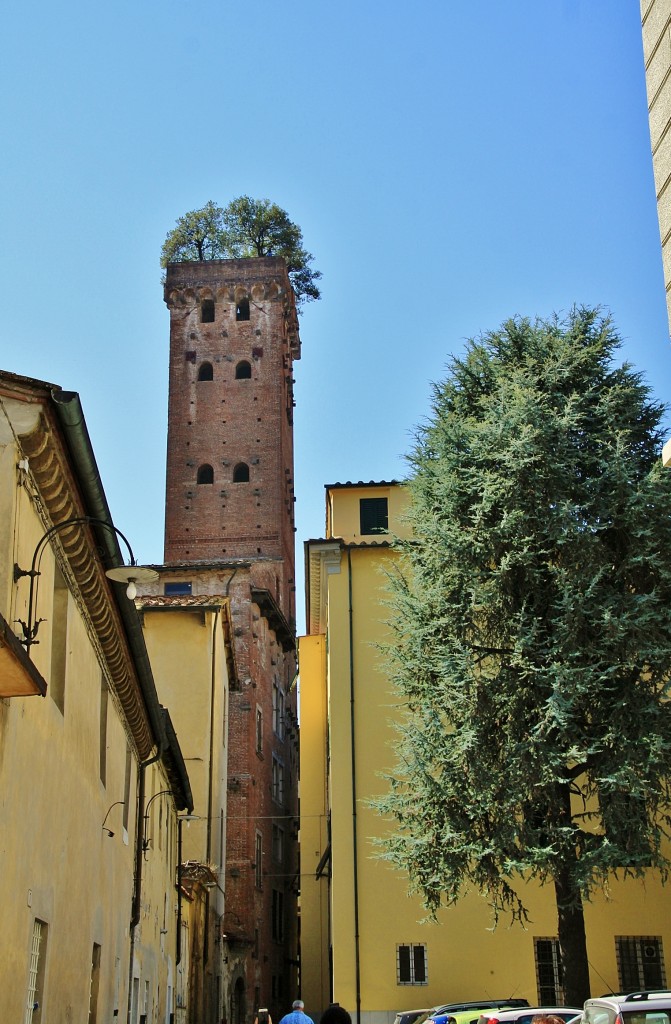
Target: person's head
[
  {"x": 298, "y": 1004},
  {"x": 335, "y": 1014}
]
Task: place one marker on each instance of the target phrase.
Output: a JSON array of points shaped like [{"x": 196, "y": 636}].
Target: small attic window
[
  {"x": 205, "y": 371},
  {"x": 241, "y": 473},
  {"x": 242, "y": 310},
  {"x": 205, "y": 475},
  {"x": 177, "y": 589},
  {"x": 243, "y": 370},
  {"x": 207, "y": 311},
  {"x": 373, "y": 515}
]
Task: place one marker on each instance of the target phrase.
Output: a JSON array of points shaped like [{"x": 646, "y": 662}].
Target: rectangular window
[
  {"x": 373, "y": 515},
  {"x": 411, "y": 965},
  {"x": 59, "y": 640},
  {"x": 278, "y": 781},
  {"x": 259, "y": 730},
  {"x": 38, "y": 950},
  {"x": 258, "y": 861},
  {"x": 95, "y": 984},
  {"x": 278, "y": 916},
  {"x": 640, "y": 962},
  {"x": 549, "y": 980},
  {"x": 278, "y": 711},
  {"x": 278, "y": 844},
  {"x": 207, "y": 311},
  {"x": 182, "y": 589}
]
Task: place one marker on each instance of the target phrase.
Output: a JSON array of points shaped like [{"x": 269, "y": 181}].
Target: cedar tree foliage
[
  {"x": 246, "y": 227},
  {"x": 532, "y": 629}
]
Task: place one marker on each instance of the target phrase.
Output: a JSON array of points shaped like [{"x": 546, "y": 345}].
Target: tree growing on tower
[{"x": 246, "y": 227}]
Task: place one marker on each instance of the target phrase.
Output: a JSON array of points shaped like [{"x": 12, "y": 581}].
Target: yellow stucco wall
[
  {"x": 315, "y": 982},
  {"x": 57, "y": 864},
  {"x": 466, "y": 959},
  {"x": 186, "y": 649}
]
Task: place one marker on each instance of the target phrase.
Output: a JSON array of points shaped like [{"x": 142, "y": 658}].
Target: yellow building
[
  {"x": 363, "y": 940},
  {"x": 90, "y": 767},
  {"x": 188, "y": 640}
]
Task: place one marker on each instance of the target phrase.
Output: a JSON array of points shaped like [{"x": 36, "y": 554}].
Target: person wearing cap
[{"x": 297, "y": 1015}]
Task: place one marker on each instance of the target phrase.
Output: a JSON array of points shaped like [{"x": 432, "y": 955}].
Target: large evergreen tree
[
  {"x": 533, "y": 629},
  {"x": 245, "y": 228}
]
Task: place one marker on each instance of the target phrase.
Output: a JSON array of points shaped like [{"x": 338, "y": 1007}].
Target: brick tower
[{"x": 230, "y": 531}]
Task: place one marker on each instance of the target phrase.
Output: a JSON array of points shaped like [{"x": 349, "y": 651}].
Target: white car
[{"x": 526, "y": 1014}]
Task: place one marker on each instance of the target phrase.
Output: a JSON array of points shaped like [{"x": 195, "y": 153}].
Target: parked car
[
  {"x": 469, "y": 1013},
  {"x": 410, "y": 1016},
  {"x": 524, "y": 1015},
  {"x": 633, "y": 1008}
]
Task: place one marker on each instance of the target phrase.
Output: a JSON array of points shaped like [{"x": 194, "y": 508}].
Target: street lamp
[
  {"x": 146, "y": 841},
  {"x": 130, "y": 574}
]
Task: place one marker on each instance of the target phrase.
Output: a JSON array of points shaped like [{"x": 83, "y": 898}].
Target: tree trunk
[{"x": 570, "y": 917}]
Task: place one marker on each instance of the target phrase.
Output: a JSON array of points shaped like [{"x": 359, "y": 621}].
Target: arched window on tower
[
  {"x": 205, "y": 371},
  {"x": 242, "y": 310},
  {"x": 205, "y": 474},
  {"x": 241, "y": 473},
  {"x": 243, "y": 370}
]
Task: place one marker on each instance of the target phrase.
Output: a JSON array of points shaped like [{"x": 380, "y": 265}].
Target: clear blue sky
[{"x": 450, "y": 163}]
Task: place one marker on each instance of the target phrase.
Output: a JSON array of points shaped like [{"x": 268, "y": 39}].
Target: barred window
[
  {"x": 549, "y": 978},
  {"x": 640, "y": 962},
  {"x": 411, "y": 966}
]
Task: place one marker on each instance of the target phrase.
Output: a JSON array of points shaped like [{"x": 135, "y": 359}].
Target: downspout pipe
[{"x": 355, "y": 879}]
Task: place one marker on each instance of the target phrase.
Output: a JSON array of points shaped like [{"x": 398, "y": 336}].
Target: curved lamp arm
[{"x": 128, "y": 574}]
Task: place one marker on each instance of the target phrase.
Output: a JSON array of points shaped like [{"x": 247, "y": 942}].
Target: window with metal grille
[
  {"x": 36, "y": 969},
  {"x": 411, "y": 966},
  {"x": 640, "y": 962},
  {"x": 373, "y": 515},
  {"x": 549, "y": 978}
]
